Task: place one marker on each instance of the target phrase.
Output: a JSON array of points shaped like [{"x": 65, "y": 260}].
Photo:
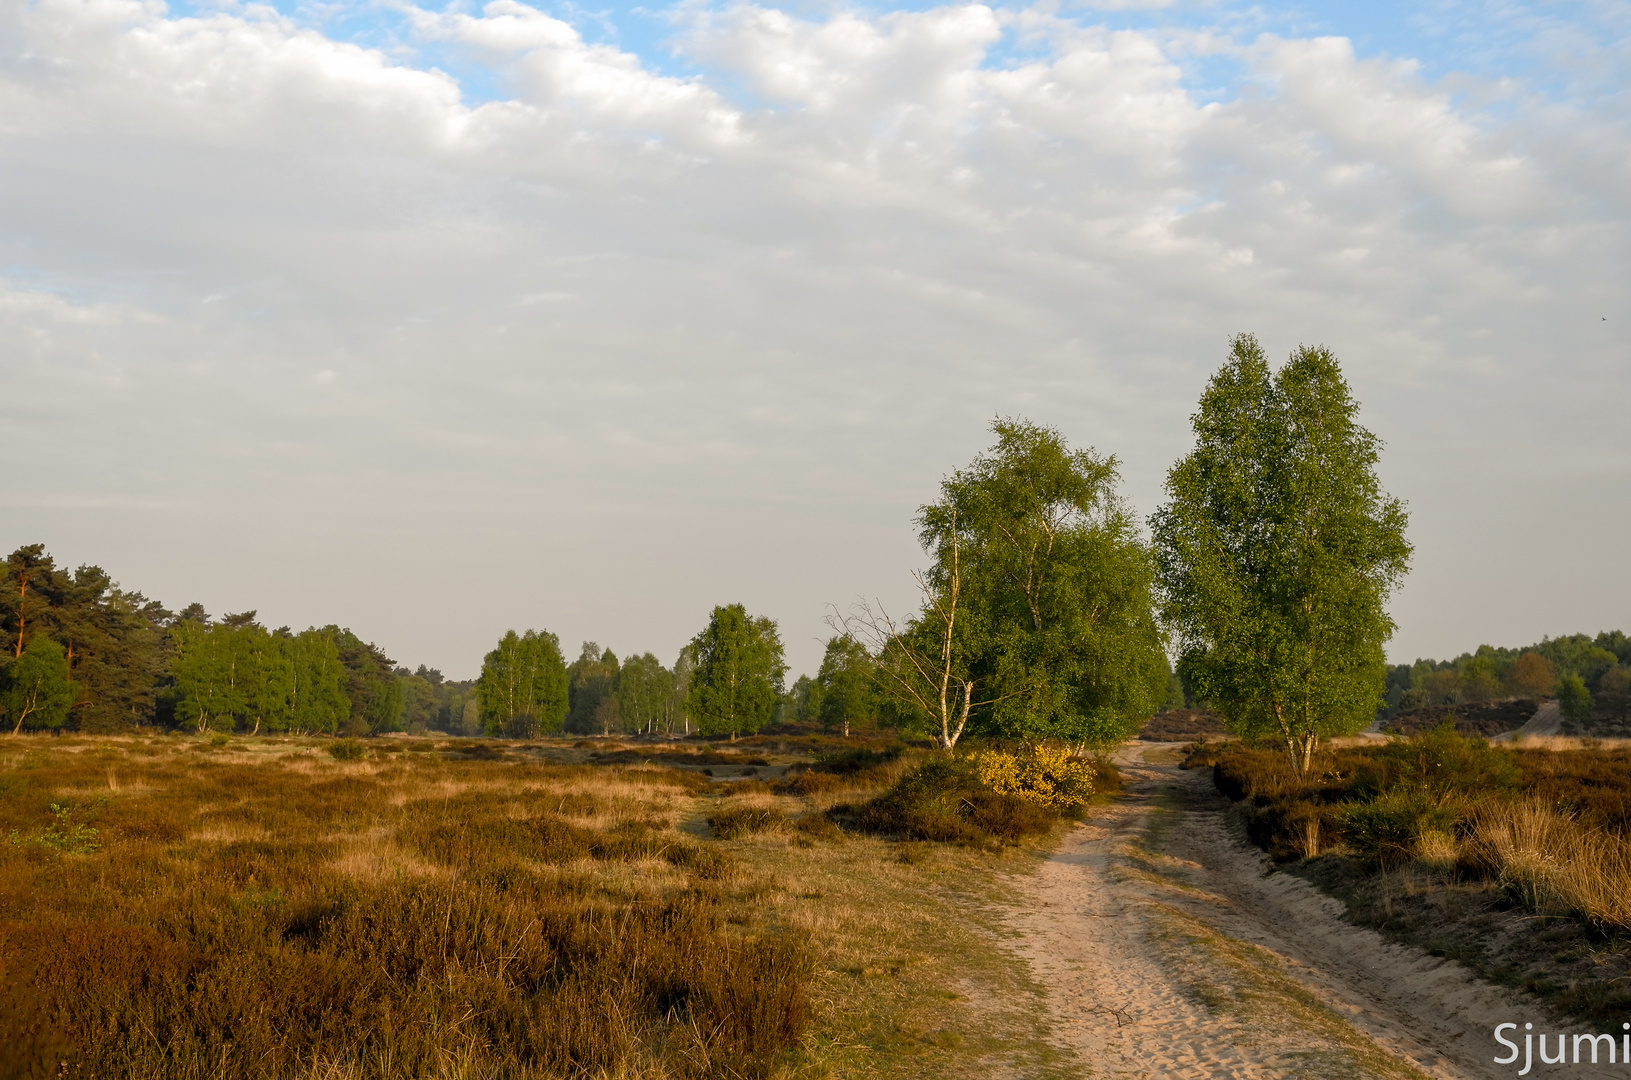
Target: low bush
[
  {"x": 943, "y": 799},
  {"x": 346, "y": 750},
  {"x": 1048, "y": 776},
  {"x": 1389, "y": 830},
  {"x": 736, "y": 822}
]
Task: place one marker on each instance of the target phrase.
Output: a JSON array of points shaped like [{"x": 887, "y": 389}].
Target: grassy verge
[{"x": 1515, "y": 862}]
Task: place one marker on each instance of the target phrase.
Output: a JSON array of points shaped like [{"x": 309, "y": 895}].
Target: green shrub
[
  {"x": 1443, "y": 762},
  {"x": 1386, "y": 831},
  {"x": 944, "y": 800},
  {"x": 1574, "y": 700},
  {"x": 346, "y": 750}
]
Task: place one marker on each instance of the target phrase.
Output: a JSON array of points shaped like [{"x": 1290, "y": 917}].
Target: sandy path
[
  {"x": 1167, "y": 950},
  {"x": 1548, "y": 720}
]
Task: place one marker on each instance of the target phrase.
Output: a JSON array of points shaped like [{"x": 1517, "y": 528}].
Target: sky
[{"x": 440, "y": 321}]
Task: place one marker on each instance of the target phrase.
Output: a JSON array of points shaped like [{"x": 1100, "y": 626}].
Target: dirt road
[{"x": 1169, "y": 950}]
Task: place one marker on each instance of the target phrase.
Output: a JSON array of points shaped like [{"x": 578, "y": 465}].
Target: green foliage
[
  {"x": 943, "y": 799},
  {"x": 370, "y": 685},
  {"x": 1385, "y": 831},
  {"x": 1277, "y": 550},
  {"x": 1442, "y": 762},
  {"x": 1490, "y": 673},
  {"x": 592, "y": 691},
  {"x": 346, "y": 750},
  {"x": 739, "y": 671},
  {"x": 113, "y": 639},
  {"x": 845, "y": 689},
  {"x": 644, "y": 692},
  {"x": 1614, "y": 688},
  {"x": 1050, "y": 585},
  {"x": 35, "y": 690},
  {"x": 803, "y": 701},
  {"x": 522, "y": 691},
  {"x": 64, "y": 835},
  {"x": 1574, "y": 700},
  {"x": 236, "y": 675}
]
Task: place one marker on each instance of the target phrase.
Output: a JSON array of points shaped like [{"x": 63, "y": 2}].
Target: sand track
[{"x": 1168, "y": 949}]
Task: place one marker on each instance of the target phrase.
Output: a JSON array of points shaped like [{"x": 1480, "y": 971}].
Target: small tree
[
  {"x": 1277, "y": 550},
  {"x": 739, "y": 672},
  {"x": 1574, "y": 700},
  {"x": 1037, "y": 619},
  {"x": 925, "y": 666},
  {"x": 1531, "y": 675},
  {"x": 1057, "y": 586},
  {"x": 845, "y": 690},
  {"x": 37, "y": 690}
]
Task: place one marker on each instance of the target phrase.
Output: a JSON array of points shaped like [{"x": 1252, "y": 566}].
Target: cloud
[{"x": 620, "y": 344}]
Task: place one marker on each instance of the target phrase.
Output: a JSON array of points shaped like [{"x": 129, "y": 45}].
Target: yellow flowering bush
[{"x": 1053, "y": 777}]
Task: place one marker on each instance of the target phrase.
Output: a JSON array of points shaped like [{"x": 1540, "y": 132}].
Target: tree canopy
[
  {"x": 845, "y": 690},
  {"x": 738, "y": 675},
  {"x": 1038, "y": 618},
  {"x": 522, "y": 691},
  {"x": 1277, "y": 551},
  {"x": 37, "y": 691}
]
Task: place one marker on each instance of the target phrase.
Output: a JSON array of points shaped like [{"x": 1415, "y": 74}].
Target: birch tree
[
  {"x": 36, "y": 691},
  {"x": 738, "y": 674},
  {"x": 522, "y": 689},
  {"x": 1277, "y": 550}
]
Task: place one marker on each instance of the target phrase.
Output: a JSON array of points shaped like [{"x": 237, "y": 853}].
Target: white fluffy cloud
[{"x": 287, "y": 323}]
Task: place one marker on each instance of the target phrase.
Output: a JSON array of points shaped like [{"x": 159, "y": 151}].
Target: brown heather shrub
[
  {"x": 217, "y": 932},
  {"x": 1592, "y": 784}
]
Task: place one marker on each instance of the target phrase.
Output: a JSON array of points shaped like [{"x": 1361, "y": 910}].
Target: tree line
[
  {"x": 1046, "y": 611},
  {"x": 84, "y": 654},
  {"x": 728, "y": 680},
  {"x": 1584, "y": 673}
]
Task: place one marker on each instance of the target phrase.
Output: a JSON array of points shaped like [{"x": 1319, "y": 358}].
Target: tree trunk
[{"x": 22, "y": 597}]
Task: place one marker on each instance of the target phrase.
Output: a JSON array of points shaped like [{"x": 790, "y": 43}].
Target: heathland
[
  {"x": 182, "y": 905},
  {"x": 235, "y": 851}
]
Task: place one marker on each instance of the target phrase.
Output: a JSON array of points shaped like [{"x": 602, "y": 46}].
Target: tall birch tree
[{"x": 1277, "y": 551}]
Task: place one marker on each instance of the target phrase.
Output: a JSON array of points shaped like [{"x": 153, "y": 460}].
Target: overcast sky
[{"x": 435, "y": 322}]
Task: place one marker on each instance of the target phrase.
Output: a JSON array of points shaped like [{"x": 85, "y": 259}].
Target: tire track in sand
[{"x": 1168, "y": 949}]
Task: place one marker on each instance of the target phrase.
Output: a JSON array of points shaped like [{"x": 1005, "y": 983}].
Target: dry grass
[{"x": 1556, "y": 864}]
